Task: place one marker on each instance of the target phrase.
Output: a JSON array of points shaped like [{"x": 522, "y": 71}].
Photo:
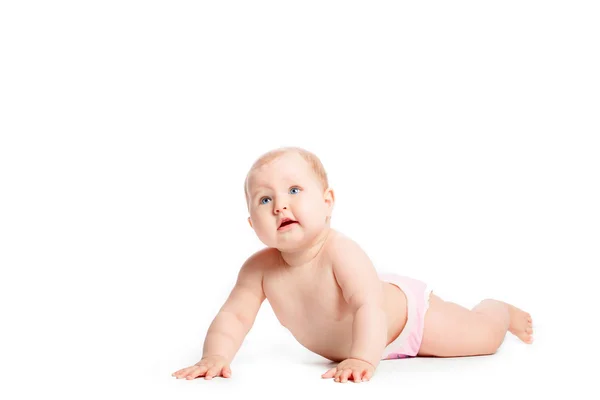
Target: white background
[{"x": 461, "y": 139}]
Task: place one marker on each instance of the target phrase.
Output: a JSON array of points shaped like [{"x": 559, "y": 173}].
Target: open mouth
[{"x": 286, "y": 222}]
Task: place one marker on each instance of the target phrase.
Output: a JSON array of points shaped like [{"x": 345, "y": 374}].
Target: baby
[{"x": 324, "y": 289}]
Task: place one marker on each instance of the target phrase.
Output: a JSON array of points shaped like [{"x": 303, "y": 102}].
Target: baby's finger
[
  {"x": 368, "y": 374},
  {"x": 196, "y": 371},
  {"x": 226, "y": 372},
  {"x": 345, "y": 375},
  {"x": 356, "y": 375},
  {"x": 212, "y": 372},
  {"x": 330, "y": 373},
  {"x": 182, "y": 372},
  {"x": 338, "y": 374}
]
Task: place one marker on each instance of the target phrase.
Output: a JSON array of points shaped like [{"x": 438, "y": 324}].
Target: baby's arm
[
  {"x": 363, "y": 291},
  {"x": 236, "y": 317},
  {"x": 233, "y": 322}
]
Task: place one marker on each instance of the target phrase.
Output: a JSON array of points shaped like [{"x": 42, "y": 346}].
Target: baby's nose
[{"x": 279, "y": 209}]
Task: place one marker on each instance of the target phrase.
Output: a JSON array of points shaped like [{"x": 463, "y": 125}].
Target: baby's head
[{"x": 288, "y": 182}]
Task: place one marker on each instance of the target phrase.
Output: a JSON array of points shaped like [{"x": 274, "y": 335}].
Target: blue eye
[{"x": 293, "y": 190}]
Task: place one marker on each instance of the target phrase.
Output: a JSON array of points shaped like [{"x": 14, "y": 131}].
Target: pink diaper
[{"x": 417, "y": 293}]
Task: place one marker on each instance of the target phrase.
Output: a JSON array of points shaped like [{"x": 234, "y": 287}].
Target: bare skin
[
  {"x": 307, "y": 300},
  {"x": 324, "y": 289}
]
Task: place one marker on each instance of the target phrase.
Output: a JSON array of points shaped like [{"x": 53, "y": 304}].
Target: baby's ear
[
  {"x": 329, "y": 199},
  {"x": 250, "y": 222}
]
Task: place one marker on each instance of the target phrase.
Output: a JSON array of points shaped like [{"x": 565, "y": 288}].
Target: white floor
[
  {"x": 517, "y": 370},
  {"x": 127, "y": 356}
]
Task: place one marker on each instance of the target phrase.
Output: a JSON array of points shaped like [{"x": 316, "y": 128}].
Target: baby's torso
[{"x": 309, "y": 303}]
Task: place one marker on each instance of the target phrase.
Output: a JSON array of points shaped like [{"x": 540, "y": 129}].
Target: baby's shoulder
[
  {"x": 339, "y": 242},
  {"x": 343, "y": 251},
  {"x": 263, "y": 259}
]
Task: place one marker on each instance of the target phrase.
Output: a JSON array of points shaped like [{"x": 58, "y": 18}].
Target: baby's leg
[{"x": 453, "y": 331}]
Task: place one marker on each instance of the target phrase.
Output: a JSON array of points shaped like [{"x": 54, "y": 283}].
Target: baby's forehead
[
  {"x": 287, "y": 172},
  {"x": 266, "y": 178}
]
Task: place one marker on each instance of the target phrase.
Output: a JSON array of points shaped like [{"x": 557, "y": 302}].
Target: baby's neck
[{"x": 308, "y": 254}]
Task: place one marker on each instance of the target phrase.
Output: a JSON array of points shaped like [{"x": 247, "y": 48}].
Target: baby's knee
[{"x": 496, "y": 311}]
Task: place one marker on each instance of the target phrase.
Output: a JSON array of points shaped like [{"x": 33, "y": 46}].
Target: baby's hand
[
  {"x": 208, "y": 367},
  {"x": 359, "y": 370}
]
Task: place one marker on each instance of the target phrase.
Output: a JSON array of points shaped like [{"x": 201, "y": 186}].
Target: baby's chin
[
  {"x": 295, "y": 239},
  {"x": 288, "y": 243},
  {"x": 297, "y": 243}
]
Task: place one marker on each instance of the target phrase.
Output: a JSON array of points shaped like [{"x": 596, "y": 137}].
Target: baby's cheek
[
  {"x": 312, "y": 215},
  {"x": 259, "y": 229}
]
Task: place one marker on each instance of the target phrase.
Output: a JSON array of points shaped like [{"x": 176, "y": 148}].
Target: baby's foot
[{"x": 520, "y": 324}]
